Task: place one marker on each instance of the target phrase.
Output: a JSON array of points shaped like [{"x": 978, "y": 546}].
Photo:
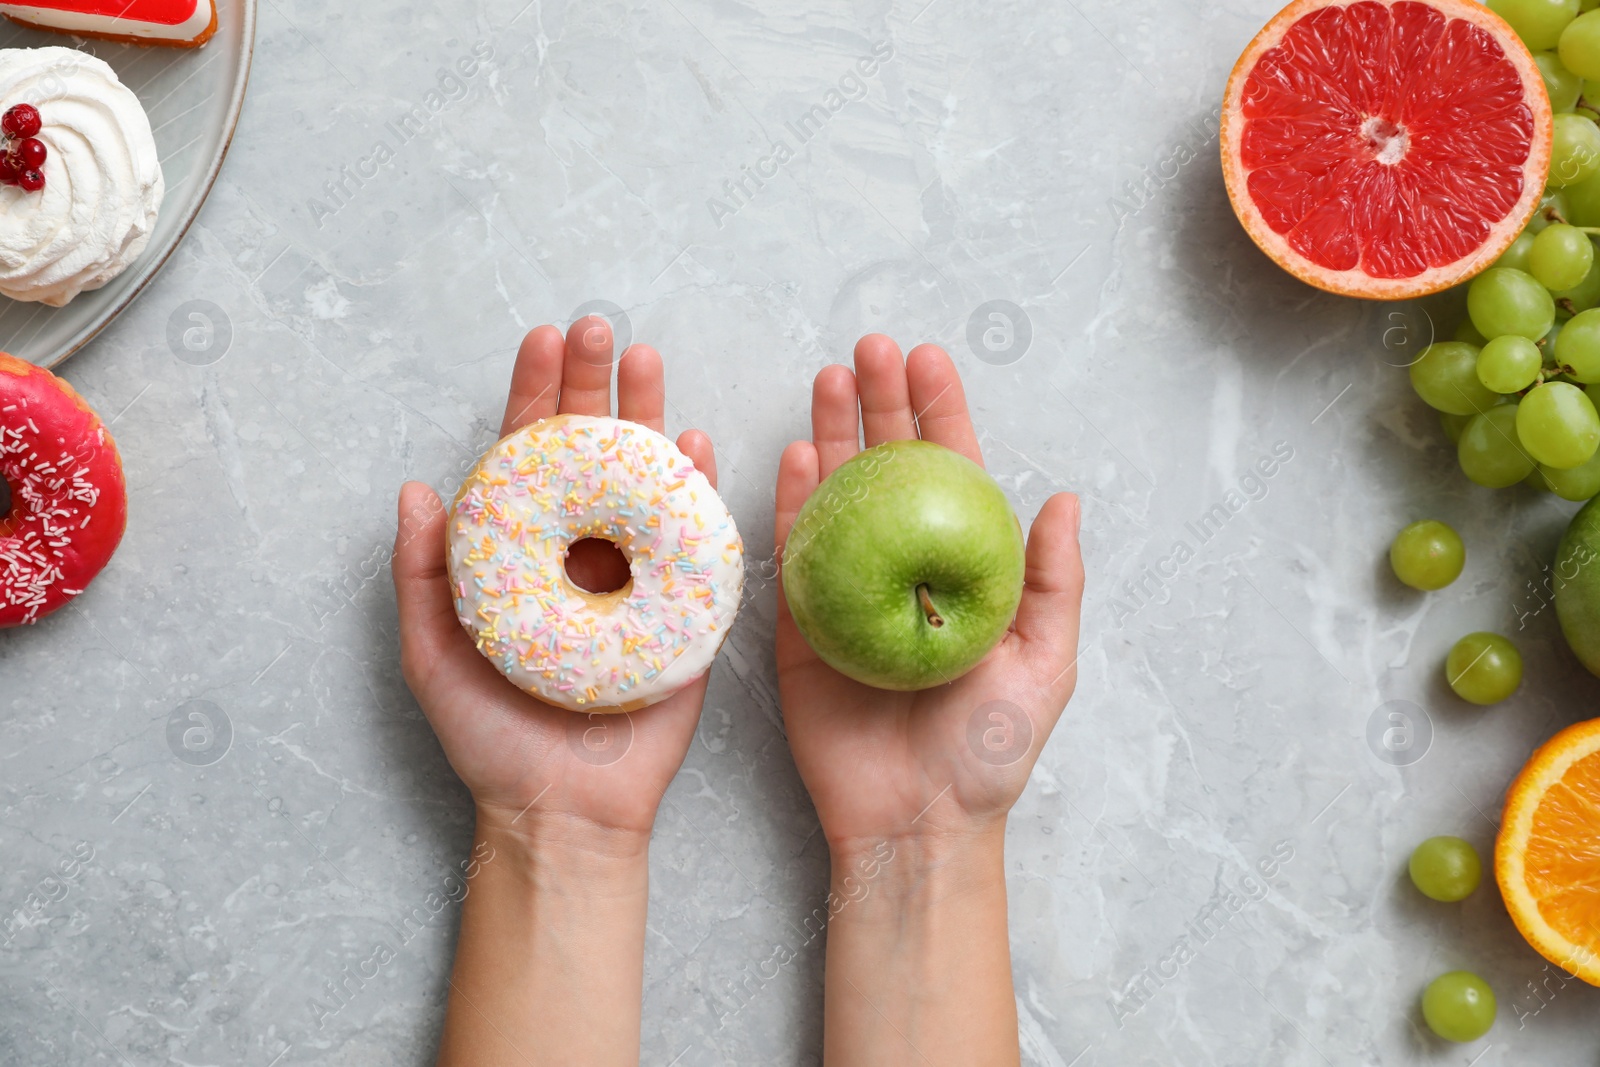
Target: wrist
[
  {"x": 560, "y": 843},
  {"x": 918, "y": 952},
  {"x": 920, "y": 869}
]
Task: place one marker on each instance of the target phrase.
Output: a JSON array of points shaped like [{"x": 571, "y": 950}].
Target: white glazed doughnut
[{"x": 558, "y": 481}]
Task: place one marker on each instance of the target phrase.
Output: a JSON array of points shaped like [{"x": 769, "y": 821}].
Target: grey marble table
[{"x": 413, "y": 185}]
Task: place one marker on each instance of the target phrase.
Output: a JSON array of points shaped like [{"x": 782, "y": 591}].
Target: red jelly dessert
[{"x": 181, "y": 23}]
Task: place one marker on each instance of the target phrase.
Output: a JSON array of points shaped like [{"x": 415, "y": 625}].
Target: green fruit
[
  {"x": 1558, "y": 425},
  {"x": 1573, "y": 483},
  {"x": 1446, "y": 869},
  {"x": 1489, "y": 451},
  {"x": 1427, "y": 555},
  {"x": 1576, "y": 579},
  {"x": 1538, "y": 22},
  {"x": 1562, "y": 85},
  {"x": 1552, "y": 208},
  {"x": 1509, "y": 364},
  {"x": 1578, "y": 42},
  {"x": 905, "y": 567},
  {"x": 1453, "y": 425},
  {"x": 1584, "y": 295},
  {"x": 1445, "y": 376},
  {"x": 1574, "y": 149},
  {"x": 1515, "y": 257},
  {"x": 1560, "y": 256},
  {"x": 1503, "y": 301},
  {"x": 1483, "y": 668},
  {"x": 1468, "y": 334},
  {"x": 1583, "y": 200},
  {"x": 1459, "y": 1006}
]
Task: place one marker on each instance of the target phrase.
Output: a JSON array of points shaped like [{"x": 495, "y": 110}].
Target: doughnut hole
[
  {"x": 5, "y": 506},
  {"x": 597, "y": 565}
]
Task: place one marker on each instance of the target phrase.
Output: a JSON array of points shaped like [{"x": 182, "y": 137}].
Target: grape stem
[{"x": 1549, "y": 372}]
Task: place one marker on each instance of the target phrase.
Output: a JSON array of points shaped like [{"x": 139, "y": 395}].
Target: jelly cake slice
[{"x": 180, "y": 23}]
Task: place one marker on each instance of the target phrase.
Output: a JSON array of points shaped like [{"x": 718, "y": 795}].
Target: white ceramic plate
[{"x": 193, "y": 97}]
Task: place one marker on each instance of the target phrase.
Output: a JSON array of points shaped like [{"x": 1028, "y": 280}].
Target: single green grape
[
  {"x": 1583, "y": 296},
  {"x": 1557, "y": 425},
  {"x": 1483, "y": 668},
  {"x": 1446, "y": 869},
  {"x": 1582, "y": 200},
  {"x": 1453, "y": 425},
  {"x": 1538, "y": 22},
  {"x": 1427, "y": 555},
  {"x": 1515, "y": 257},
  {"x": 1563, "y": 86},
  {"x": 1578, "y": 346},
  {"x": 1574, "y": 483},
  {"x": 1446, "y": 377},
  {"x": 1561, "y": 256},
  {"x": 1547, "y": 343},
  {"x": 1509, "y": 364},
  {"x": 1503, "y": 301},
  {"x": 1469, "y": 334},
  {"x": 1459, "y": 1006},
  {"x": 1552, "y": 208},
  {"x": 1578, "y": 44},
  {"x": 1489, "y": 452},
  {"x": 1574, "y": 149}
]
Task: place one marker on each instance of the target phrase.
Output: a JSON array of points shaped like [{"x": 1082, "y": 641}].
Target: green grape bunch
[{"x": 1517, "y": 386}]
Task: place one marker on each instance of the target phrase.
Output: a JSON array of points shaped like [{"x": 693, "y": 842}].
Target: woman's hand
[
  {"x": 913, "y": 788},
  {"x": 953, "y": 759},
  {"x": 549, "y": 963},
  {"x": 525, "y": 761}
]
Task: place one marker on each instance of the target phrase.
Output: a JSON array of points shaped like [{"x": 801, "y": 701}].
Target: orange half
[
  {"x": 1385, "y": 150},
  {"x": 1547, "y": 858}
]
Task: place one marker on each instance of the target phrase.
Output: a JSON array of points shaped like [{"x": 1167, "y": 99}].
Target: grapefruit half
[{"x": 1385, "y": 150}]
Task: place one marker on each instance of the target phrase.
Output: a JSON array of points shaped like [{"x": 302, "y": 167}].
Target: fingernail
[{"x": 595, "y": 337}]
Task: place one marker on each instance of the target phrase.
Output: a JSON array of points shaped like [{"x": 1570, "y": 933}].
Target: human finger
[
  {"x": 641, "y": 387},
  {"x": 535, "y": 379},
  {"x": 586, "y": 369},
  {"x": 834, "y": 425},
  {"x": 939, "y": 401}
]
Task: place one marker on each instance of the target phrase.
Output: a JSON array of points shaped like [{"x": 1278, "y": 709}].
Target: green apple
[
  {"x": 905, "y": 567},
  {"x": 1575, "y": 580}
]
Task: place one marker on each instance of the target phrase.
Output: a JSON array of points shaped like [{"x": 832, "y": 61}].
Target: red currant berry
[
  {"x": 20, "y": 120},
  {"x": 10, "y": 169},
  {"x": 32, "y": 151},
  {"x": 31, "y": 180}
]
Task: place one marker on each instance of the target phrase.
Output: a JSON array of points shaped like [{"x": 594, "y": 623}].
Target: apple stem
[{"x": 934, "y": 618}]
